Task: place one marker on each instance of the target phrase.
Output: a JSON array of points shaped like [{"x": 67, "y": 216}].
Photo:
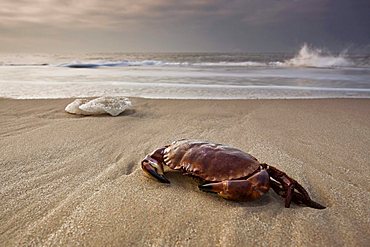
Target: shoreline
[
  {"x": 69, "y": 180},
  {"x": 195, "y": 98}
]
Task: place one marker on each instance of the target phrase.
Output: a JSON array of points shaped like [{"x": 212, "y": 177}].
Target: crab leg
[
  {"x": 285, "y": 187},
  {"x": 241, "y": 190},
  {"x": 152, "y": 164}
]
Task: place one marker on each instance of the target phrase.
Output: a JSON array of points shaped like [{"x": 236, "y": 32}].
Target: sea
[{"x": 306, "y": 73}]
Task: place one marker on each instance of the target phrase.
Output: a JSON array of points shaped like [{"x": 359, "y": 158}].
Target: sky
[{"x": 183, "y": 25}]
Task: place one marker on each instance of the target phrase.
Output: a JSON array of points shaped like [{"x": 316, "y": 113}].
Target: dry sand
[{"x": 69, "y": 180}]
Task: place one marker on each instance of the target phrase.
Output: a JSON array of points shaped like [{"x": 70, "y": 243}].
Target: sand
[{"x": 71, "y": 180}]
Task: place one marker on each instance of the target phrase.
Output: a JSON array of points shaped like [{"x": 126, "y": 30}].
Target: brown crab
[{"x": 230, "y": 172}]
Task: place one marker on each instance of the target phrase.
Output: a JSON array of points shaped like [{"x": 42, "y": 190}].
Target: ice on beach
[
  {"x": 74, "y": 107},
  {"x": 111, "y": 105}
]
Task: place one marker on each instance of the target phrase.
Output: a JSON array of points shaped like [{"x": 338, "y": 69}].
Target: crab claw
[{"x": 155, "y": 169}]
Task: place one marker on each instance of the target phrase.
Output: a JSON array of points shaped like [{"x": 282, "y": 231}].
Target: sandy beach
[{"x": 68, "y": 180}]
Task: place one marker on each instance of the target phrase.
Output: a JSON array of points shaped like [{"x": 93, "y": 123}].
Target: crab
[{"x": 227, "y": 171}]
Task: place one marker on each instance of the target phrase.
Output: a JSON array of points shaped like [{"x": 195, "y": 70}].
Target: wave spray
[{"x": 313, "y": 57}]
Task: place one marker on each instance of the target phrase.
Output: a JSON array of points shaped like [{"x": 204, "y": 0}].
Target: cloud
[
  {"x": 105, "y": 14},
  {"x": 96, "y": 13},
  {"x": 182, "y": 24}
]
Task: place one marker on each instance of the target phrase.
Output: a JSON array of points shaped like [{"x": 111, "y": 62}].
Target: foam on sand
[{"x": 102, "y": 105}]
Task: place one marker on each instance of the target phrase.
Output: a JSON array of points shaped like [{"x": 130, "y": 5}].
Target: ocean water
[{"x": 308, "y": 73}]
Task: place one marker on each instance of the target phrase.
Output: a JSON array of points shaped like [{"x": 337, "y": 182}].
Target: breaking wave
[
  {"x": 306, "y": 57},
  {"x": 311, "y": 57},
  {"x": 119, "y": 64},
  {"x": 160, "y": 63}
]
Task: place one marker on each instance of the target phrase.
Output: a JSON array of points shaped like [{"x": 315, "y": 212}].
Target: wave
[
  {"x": 232, "y": 64},
  {"x": 313, "y": 57},
  {"x": 306, "y": 57},
  {"x": 23, "y": 64},
  {"x": 163, "y": 63},
  {"x": 120, "y": 64}
]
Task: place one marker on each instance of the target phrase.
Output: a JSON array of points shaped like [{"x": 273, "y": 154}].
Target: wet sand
[{"x": 69, "y": 180}]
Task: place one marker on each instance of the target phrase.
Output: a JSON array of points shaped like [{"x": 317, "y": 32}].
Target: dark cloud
[{"x": 177, "y": 25}]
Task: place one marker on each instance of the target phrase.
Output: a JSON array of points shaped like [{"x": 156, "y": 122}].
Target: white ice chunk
[
  {"x": 74, "y": 107},
  {"x": 111, "y": 105}
]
